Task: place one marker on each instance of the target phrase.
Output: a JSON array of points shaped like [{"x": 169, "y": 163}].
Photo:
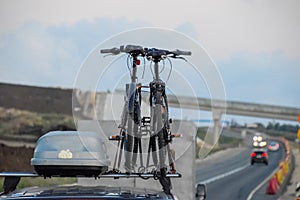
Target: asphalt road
[{"x": 233, "y": 177}]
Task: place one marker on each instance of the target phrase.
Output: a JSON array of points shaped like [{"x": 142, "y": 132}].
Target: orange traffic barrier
[
  {"x": 273, "y": 186},
  {"x": 281, "y": 166},
  {"x": 287, "y": 158},
  {"x": 279, "y": 177},
  {"x": 286, "y": 167},
  {"x": 288, "y": 154}
]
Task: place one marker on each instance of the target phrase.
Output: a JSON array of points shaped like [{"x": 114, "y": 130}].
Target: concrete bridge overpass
[
  {"x": 236, "y": 108},
  {"x": 102, "y": 102},
  {"x": 218, "y": 107}
]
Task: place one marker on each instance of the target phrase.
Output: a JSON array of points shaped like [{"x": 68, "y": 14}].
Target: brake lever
[
  {"x": 110, "y": 54},
  {"x": 178, "y": 57}
]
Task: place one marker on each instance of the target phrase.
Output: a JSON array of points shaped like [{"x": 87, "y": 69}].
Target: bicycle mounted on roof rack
[
  {"x": 129, "y": 138},
  {"x": 158, "y": 121}
]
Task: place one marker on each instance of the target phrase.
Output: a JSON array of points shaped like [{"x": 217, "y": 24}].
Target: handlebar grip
[
  {"x": 130, "y": 48},
  {"x": 114, "y": 51},
  {"x": 183, "y": 53}
]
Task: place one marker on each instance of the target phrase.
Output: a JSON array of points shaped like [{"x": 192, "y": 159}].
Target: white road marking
[
  {"x": 250, "y": 196},
  {"x": 210, "y": 180}
]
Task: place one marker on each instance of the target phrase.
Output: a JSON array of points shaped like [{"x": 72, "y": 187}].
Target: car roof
[
  {"x": 82, "y": 192},
  {"x": 273, "y": 142}
]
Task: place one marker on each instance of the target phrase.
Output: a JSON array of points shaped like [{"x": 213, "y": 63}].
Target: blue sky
[{"x": 255, "y": 44}]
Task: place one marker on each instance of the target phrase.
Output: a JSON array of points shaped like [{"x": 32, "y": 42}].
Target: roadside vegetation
[
  {"x": 21, "y": 122},
  {"x": 288, "y": 131},
  {"x": 41, "y": 182},
  {"x": 224, "y": 142}
]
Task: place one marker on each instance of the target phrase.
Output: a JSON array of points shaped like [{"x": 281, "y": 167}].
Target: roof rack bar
[
  {"x": 106, "y": 175},
  {"x": 137, "y": 175}
]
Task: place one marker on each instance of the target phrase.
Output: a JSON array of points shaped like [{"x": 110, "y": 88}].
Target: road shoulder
[
  {"x": 289, "y": 193},
  {"x": 220, "y": 156}
]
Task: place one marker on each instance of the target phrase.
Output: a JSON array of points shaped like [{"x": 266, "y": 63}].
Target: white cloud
[
  {"x": 224, "y": 27},
  {"x": 33, "y": 55},
  {"x": 44, "y": 42},
  {"x": 262, "y": 78},
  {"x": 51, "y": 55}
]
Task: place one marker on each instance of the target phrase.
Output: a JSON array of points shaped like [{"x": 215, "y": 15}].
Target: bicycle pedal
[
  {"x": 115, "y": 137},
  {"x": 176, "y": 135},
  {"x": 146, "y": 120}
]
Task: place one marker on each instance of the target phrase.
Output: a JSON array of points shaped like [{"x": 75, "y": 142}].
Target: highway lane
[
  {"x": 223, "y": 182},
  {"x": 227, "y": 161},
  {"x": 261, "y": 193},
  {"x": 216, "y": 167}
]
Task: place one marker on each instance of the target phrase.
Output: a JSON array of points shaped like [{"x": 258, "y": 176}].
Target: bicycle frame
[
  {"x": 160, "y": 127},
  {"x": 132, "y": 112},
  {"x": 129, "y": 137}
]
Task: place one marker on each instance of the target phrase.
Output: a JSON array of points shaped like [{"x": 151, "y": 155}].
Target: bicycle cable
[
  {"x": 127, "y": 62},
  {"x": 163, "y": 67},
  {"x": 171, "y": 68},
  {"x": 151, "y": 69},
  {"x": 143, "y": 74}
]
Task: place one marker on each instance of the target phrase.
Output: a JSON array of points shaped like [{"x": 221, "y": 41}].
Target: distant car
[
  {"x": 259, "y": 144},
  {"x": 259, "y": 156},
  {"x": 257, "y": 137},
  {"x": 86, "y": 192},
  {"x": 273, "y": 146},
  {"x": 70, "y": 153}
]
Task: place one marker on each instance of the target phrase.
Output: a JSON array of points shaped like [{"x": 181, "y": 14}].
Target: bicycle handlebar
[
  {"x": 159, "y": 54},
  {"x": 151, "y": 53},
  {"x": 130, "y": 49},
  {"x": 114, "y": 51},
  {"x": 183, "y": 53}
]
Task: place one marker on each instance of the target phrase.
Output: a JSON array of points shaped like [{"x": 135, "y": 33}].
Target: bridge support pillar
[{"x": 217, "y": 115}]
